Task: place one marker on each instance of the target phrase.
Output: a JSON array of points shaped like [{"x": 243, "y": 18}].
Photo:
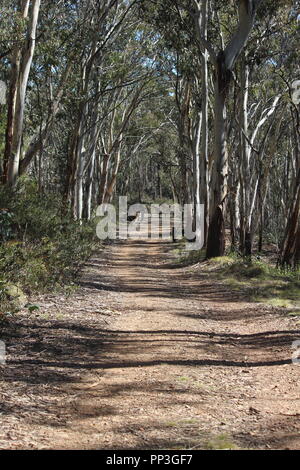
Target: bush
[
  {"x": 6, "y": 224},
  {"x": 261, "y": 281},
  {"x": 41, "y": 247}
]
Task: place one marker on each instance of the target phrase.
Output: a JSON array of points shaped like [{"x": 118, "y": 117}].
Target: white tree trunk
[
  {"x": 224, "y": 64},
  {"x": 21, "y": 69}
]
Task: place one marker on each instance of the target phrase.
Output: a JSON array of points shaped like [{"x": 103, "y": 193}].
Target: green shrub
[
  {"x": 6, "y": 224},
  {"x": 41, "y": 247},
  {"x": 261, "y": 281}
]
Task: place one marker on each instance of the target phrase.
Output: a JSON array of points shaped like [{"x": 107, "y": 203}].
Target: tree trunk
[
  {"x": 22, "y": 60},
  {"x": 224, "y": 64},
  {"x": 204, "y": 176},
  {"x": 103, "y": 179},
  {"x": 112, "y": 183},
  {"x": 216, "y": 232},
  {"x": 290, "y": 250}
]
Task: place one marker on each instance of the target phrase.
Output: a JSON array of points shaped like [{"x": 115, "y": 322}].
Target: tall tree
[
  {"x": 21, "y": 61},
  {"x": 223, "y": 62}
]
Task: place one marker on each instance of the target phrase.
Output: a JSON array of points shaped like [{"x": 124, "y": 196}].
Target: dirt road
[{"x": 148, "y": 355}]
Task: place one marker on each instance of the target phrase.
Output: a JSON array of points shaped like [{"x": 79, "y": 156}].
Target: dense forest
[
  {"x": 186, "y": 101},
  {"x": 163, "y": 101}
]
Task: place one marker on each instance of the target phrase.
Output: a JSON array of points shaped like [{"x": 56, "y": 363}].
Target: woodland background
[{"x": 185, "y": 101}]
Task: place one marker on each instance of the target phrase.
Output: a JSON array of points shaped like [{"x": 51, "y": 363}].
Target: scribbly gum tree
[
  {"x": 21, "y": 58},
  {"x": 223, "y": 62}
]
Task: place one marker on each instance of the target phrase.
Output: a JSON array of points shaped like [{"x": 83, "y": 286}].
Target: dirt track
[{"x": 148, "y": 355}]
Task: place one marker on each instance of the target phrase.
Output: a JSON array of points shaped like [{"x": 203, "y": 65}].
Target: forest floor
[{"x": 149, "y": 355}]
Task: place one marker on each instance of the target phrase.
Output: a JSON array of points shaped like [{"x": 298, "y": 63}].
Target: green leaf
[{"x": 32, "y": 308}]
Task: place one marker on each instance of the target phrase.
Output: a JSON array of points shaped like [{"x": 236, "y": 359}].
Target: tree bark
[
  {"x": 224, "y": 64},
  {"x": 290, "y": 250},
  {"x": 21, "y": 65}
]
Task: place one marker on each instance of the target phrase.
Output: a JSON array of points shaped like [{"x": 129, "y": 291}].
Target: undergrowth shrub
[
  {"x": 41, "y": 247},
  {"x": 263, "y": 281}
]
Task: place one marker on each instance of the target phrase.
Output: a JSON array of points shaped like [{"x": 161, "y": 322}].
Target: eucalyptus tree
[
  {"x": 99, "y": 24},
  {"x": 115, "y": 76},
  {"x": 26, "y": 16},
  {"x": 290, "y": 245},
  {"x": 223, "y": 61}
]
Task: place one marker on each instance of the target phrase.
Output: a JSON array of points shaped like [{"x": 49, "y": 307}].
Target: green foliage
[
  {"x": 190, "y": 257},
  {"x": 221, "y": 442},
  {"x": 13, "y": 26},
  {"x": 32, "y": 308},
  {"x": 6, "y": 224},
  {"x": 45, "y": 249},
  {"x": 260, "y": 281},
  {"x": 5, "y": 304}
]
